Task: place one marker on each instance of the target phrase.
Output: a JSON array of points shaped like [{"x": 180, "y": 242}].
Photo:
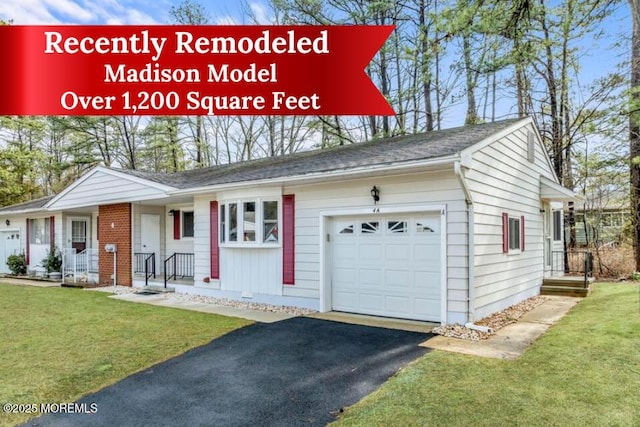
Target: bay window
[{"x": 249, "y": 222}]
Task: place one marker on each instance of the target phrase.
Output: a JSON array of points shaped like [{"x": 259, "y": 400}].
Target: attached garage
[
  {"x": 9, "y": 245},
  {"x": 388, "y": 265}
]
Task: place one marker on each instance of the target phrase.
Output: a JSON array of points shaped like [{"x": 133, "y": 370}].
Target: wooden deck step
[
  {"x": 564, "y": 290},
  {"x": 568, "y": 281}
]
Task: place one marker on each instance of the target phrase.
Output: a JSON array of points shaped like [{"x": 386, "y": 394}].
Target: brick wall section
[{"x": 120, "y": 233}]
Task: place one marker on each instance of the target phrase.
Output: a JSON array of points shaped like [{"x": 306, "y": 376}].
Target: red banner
[{"x": 190, "y": 70}]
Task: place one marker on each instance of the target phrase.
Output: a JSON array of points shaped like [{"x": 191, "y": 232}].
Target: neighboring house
[
  {"x": 601, "y": 226},
  {"x": 463, "y": 224}
]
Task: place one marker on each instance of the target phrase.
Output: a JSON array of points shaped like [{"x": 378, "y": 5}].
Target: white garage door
[{"x": 387, "y": 266}]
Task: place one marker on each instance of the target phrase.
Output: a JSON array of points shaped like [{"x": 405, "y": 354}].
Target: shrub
[
  {"x": 17, "y": 264},
  {"x": 53, "y": 261},
  {"x": 613, "y": 261}
]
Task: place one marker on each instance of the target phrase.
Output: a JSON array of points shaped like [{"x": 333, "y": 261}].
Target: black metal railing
[
  {"x": 178, "y": 265},
  {"x": 579, "y": 263},
  {"x": 149, "y": 268},
  {"x": 139, "y": 261}
]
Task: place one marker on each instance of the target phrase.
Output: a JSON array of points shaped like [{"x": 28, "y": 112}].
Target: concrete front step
[
  {"x": 152, "y": 289},
  {"x": 564, "y": 290}
]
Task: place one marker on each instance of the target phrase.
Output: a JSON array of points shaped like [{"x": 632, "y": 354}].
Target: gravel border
[
  {"x": 496, "y": 321},
  {"x": 242, "y": 305}
]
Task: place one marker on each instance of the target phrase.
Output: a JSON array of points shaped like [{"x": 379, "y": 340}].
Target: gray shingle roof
[
  {"x": 387, "y": 151},
  {"x": 34, "y": 204}
]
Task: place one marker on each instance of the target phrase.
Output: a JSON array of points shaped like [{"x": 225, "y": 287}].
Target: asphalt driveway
[{"x": 297, "y": 372}]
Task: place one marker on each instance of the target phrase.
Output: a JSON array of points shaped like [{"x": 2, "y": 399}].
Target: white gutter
[
  {"x": 293, "y": 179},
  {"x": 459, "y": 171}
]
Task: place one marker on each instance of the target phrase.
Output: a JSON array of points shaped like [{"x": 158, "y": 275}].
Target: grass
[
  {"x": 585, "y": 371},
  {"x": 58, "y": 344}
]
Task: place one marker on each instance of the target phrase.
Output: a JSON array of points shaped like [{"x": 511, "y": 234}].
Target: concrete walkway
[
  {"x": 512, "y": 340},
  {"x": 161, "y": 300},
  {"x": 30, "y": 282}
]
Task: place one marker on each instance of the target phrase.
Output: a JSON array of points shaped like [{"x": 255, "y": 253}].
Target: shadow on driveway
[{"x": 297, "y": 372}]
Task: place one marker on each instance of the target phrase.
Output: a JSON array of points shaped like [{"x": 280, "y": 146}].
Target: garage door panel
[
  {"x": 388, "y": 266},
  {"x": 425, "y": 282},
  {"x": 397, "y": 305},
  {"x": 348, "y": 300},
  {"x": 368, "y": 278},
  {"x": 371, "y": 302},
  {"x": 426, "y": 253},
  {"x": 345, "y": 251},
  {"x": 396, "y": 252},
  {"x": 371, "y": 251},
  {"x": 427, "y": 308},
  {"x": 397, "y": 279}
]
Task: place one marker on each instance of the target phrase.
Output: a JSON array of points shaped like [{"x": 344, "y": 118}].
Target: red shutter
[
  {"x": 28, "y": 238},
  {"x": 505, "y": 232},
  {"x": 215, "y": 249},
  {"x": 522, "y": 233},
  {"x": 288, "y": 239},
  {"x": 176, "y": 225},
  {"x": 52, "y": 232}
]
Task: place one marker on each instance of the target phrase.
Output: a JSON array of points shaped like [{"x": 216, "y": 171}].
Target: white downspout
[{"x": 457, "y": 168}]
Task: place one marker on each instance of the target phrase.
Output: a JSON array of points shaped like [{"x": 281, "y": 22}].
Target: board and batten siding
[
  {"x": 243, "y": 271},
  {"x": 433, "y": 188},
  {"x": 103, "y": 188},
  {"x": 502, "y": 179},
  {"x": 201, "y": 244}
]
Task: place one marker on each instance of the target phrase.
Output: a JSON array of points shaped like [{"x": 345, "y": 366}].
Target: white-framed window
[
  {"x": 514, "y": 234},
  {"x": 39, "y": 231},
  {"x": 250, "y": 222},
  {"x": 187, "y": 223},
  {"x": 557, "y": 226}
]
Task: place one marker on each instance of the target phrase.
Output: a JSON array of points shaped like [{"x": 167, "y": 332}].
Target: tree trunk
[
  {"x": 472, "y": 115},
  {"x": 634, "y": 128}
]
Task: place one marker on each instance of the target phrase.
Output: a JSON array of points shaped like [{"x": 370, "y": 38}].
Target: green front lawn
[
  {"x": 59, "y": 344},
  {"x": 585, "y": 371}
]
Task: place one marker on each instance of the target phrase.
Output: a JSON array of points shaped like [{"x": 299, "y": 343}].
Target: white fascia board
[{"x": 320, "y": 176}]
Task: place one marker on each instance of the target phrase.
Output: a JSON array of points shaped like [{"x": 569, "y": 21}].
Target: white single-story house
[{"x": 446, "y": 226}]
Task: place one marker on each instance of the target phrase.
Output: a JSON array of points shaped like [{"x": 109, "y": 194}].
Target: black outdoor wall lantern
[
  {"x": 375, "y": 193},
  {"x": 172, "y": 212},
  {"x": 7, "y": 222}
]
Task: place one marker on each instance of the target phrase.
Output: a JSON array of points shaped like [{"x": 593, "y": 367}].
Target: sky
[
  {"x": 116, "y": 12},
  {"x": 600, "y": 56}
]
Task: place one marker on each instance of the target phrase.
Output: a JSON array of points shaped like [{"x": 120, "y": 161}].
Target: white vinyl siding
[
  {"x": 102, "y": 188},
  {"x": 502, "y": 179},
  {"x": 437, "y": 188}
]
